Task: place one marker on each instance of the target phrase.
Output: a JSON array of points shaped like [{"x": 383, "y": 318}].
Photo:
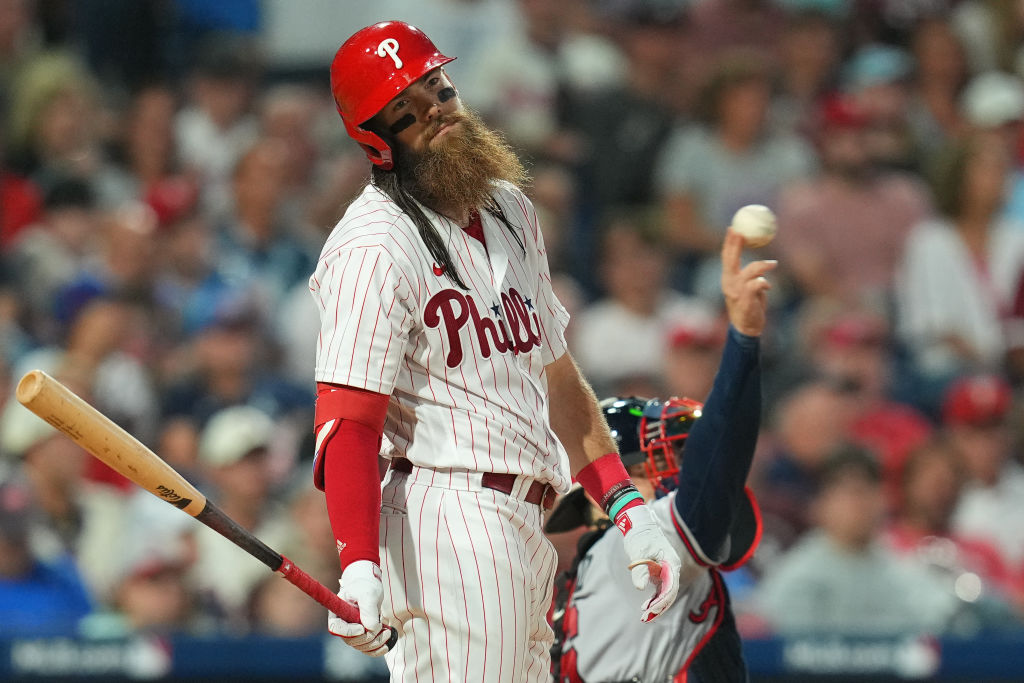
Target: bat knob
[{"x": 392, "y": 639}]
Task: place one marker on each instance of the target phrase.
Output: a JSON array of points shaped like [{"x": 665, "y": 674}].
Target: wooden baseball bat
[{"x": 96, "y": 433}]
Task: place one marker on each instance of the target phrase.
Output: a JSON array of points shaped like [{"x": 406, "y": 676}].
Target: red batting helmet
[{"x": 373, "y": 66}]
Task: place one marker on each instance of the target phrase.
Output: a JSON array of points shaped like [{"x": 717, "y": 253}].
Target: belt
[{"x": 537, "y": 494}]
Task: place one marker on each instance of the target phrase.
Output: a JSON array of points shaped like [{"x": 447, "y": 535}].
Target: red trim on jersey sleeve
[
  {"x": 695, "y": 552},
  {"x": 350, "y": 403},
  {"x": 601, "y": 476},
  {"x": 758, "y": 524},
  {"x": 352, "y": 487}
]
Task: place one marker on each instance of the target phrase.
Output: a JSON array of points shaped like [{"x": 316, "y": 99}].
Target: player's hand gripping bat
[{"x": 96, "y": 433}]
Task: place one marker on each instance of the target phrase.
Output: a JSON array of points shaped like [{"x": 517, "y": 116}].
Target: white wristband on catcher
[
  {"x": 361, "y": 585},
  {"x": 651, "y": 559}
]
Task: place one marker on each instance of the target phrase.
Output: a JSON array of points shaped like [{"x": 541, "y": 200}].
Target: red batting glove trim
[
  {"x": 352, "y": 487},
  {"x": 603, "y": 477},
  {"x": 621, "y": 520}
]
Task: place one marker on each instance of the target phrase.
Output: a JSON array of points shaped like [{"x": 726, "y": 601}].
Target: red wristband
[{"x": 603, "y": 478}]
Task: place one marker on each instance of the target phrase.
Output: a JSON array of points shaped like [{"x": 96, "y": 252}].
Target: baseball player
[
  {"x": 708, "y": 511},
  {"x": 439, "y": 330}
]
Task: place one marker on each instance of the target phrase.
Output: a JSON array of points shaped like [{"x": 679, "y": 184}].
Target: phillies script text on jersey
[
  {"x": 464, "y": 367},
  {"x": 517, "y": 331}
]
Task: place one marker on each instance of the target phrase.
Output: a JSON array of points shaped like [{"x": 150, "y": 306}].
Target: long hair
[{"x": 390, "y": 183}]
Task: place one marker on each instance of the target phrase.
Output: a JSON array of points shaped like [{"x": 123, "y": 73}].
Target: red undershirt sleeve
[{"x": 351, "y": 424}]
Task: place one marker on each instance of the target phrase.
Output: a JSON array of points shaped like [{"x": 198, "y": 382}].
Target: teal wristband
[{"x": 617, "y": 506}]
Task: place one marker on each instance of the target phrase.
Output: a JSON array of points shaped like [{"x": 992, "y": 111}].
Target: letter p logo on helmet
[{"x": 389, "y": 47}]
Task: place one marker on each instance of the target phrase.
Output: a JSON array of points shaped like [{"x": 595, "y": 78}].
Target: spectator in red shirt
[
  {"x": 20, "y": 204},
  {"x": 852, "y": 196},
  {"x": 933, "y": 478}
]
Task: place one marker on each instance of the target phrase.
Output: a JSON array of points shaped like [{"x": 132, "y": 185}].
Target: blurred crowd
[{"x": 165, "y": 188}]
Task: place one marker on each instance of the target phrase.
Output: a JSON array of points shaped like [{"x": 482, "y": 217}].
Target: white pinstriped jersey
[{"x": 464, "y": 368}]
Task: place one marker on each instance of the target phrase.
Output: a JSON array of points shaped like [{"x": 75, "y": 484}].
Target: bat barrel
[
  {"x": 29, "y": 386},
  {"x": 98, "y": 434}
]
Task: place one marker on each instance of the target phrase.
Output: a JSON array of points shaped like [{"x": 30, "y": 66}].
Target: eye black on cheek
[
  {"x": 401, "y": 124},
  {"x": 445, "y": 94}
]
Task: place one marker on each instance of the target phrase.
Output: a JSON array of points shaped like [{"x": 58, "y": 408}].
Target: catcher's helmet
[
  {"x": 663, "y": 428},
  {"x": 373, "y": 66},
  {"x": 623, "y": 415}
]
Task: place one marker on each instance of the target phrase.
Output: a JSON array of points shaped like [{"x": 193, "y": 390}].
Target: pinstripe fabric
[
  {"x": 468, "y": 578},
  {"x": 464, "y": 369},
  {"x": 467, "y": 571}
]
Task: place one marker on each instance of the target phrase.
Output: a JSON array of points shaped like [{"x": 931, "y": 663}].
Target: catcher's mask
[
  {"x": 663, "y": 428},
  {"x": 373, "y": 66}
]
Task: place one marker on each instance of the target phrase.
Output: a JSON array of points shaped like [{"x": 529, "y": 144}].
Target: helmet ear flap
[{"x": 377, "y": 150}]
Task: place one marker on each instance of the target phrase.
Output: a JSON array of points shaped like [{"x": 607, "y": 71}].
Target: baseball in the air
[{"x": 756, "y": 223}]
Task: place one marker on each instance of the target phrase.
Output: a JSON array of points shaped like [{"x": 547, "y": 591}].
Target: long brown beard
[{"x": 460, "y": 171}]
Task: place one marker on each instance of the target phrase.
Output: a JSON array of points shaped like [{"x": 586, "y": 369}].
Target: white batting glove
[
  {"x": 651, "y": 559},
  {"x": 361, "y": 585}
]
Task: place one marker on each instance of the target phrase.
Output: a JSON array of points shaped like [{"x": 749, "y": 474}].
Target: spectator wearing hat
[
  {"x": 994, "y": 101},
  {"x": 877, "y": 79},
  {"x": 993, "y": 104},
  {"x": 844, "y": 230},
  {"x": 976, "y": 417},
  {"x": 37, "y": 598},
  {"x": 71, "y": 518},
  {"x": 234, "y": 460},
  {"x": 840, "y": 579},
  {"x": 188, "y": 289},
  {"x": 225, "y": 363},
  {"x": 54, "y": 120},
  {"x": 961, "y": 269},
  {"x": 692, "y": 354},
  {"x": 852, "y": 349}
]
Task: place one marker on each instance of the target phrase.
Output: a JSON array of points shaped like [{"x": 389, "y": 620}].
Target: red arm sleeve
[
  {"x": 349, "y": 427},
  {"x": 352, "y": 488}
]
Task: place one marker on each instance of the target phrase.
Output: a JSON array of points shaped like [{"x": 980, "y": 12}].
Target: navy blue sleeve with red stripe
[{"x": 720, "y": 447}]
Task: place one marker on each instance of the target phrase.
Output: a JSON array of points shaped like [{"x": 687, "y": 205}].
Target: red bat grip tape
[{"x": 316, "y": 590}]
